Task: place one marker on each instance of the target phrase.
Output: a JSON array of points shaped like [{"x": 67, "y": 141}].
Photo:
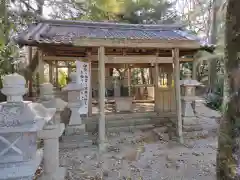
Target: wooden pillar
[
  {"x": 40, "y": 67},
  {"x": 194, "y": 76},
  {"x": 51, "y": 72},
  {"x": 30, "y": 83},
  {"x": 194, "y": 68},
  {"x": 69, "y": 69},
  {"x": 129, "y": 81},
  {"x": 156, "y": 79},
  {"x": 90, "y": 85},
  {"x": 151, "y": 74},
  {"x": 169, "y": 75},
  {"x": 175, "y": 54},
  {"x": 56, "y": 73},
  {"x": 101, "y": 75}
]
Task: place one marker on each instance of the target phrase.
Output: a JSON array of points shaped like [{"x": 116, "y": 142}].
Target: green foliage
[
  {"x": 62, "y": 80},
  {"x": 129, "y": 11},
  {"x": 148, "y": 11}
]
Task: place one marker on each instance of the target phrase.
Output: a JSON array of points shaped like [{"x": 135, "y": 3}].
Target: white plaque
[{"x": 84, "y": 78}]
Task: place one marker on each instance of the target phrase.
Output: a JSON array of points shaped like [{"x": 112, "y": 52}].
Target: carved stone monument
[
  {"x": 190, "y": 121},
  {"x": 74, "y": 103},
  {"x": 19, "y": 123}
]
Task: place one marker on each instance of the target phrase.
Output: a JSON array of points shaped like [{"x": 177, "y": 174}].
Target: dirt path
[{"x": 142, "y": 156}]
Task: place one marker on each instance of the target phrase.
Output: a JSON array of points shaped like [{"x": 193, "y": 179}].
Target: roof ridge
[{"x": 104, "y": 24}]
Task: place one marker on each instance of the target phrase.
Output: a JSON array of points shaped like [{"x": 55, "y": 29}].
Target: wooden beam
[
  {"x": 137, "y": 59},
  {"x": 90, "y": 85},
  {"x": 60, "y": 58},
  {"x": 50, "y": 73},
  {"x": 56, "y": 73},
  {"x": 129, "y": 81},
  {"x": 41, "y": 67},
  {"x": 130, "y": 43},
  {"x": 194, "y": 69},
  {"x": 101, "y": 75},
  {"x": 156, "y": 79},
  {"x": 121, "y": 59},
  {"x": 30, "y": 83},
  {"x": 175, "y": 54}
]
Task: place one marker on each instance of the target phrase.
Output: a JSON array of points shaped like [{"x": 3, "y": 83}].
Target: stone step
[
  {"x": 76, "y": 144},
  {"x": 157, "y": 121},
  {"x": 120, "y": 123},
  {"x": 130, "y": 115},
  {"x": 130, "y": 128},
  {"x": 199, "y": 134},
  {"x": 77, "y": 137},
  {"x": 132, "y": 122},
  {"x": 77, "y": 140}
]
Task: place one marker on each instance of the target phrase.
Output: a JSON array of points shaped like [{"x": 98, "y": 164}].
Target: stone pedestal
[
  {"x": 190, "y": 121},
  {"x": 19, "y": 123},
  {"x": 50, "y": 135},
  {"x": 123, "y": 104},
  {"x": 116, "y": 87},
  {"x": 74, "y": 89}
]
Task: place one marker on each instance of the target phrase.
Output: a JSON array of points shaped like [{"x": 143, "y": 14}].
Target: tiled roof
[{"x": 65, "y": 32}]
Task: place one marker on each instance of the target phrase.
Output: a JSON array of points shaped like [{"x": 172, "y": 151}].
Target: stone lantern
[
  {"x": 188, "y": 85},
  {"x": 20, "y": 122},
  {"x": 74, "y": 103},
  {"x": 48, "y": 100},
  {"x": 51, "y": 133}
]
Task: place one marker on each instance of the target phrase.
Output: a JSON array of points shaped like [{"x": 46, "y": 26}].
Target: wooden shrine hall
[{"x": 158, "y": 48}]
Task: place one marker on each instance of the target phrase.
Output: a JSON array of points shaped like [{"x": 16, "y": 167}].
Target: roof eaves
[{"x": 112, "y": 25}]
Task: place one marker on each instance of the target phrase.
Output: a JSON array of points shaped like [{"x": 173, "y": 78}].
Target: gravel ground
[{"x": 144, "y": 156}]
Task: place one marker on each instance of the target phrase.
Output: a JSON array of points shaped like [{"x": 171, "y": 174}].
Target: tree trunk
[
  {"x": 228, "y": 157},
  {"x": 213, "y": 40}
]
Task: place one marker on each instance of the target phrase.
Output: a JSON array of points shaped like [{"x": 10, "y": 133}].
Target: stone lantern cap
[
  {"x": 73, "y": 85},
  {"x": 190, "y": 82},
  {"x": 48, "y": 100},
  {"x": 46, "y": 89},
  {"x": 14, "y": 87}
]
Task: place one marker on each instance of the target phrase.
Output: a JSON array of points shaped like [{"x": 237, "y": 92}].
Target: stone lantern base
[
  {"x": 190, "y": 121},
  {"x": 21, "y": 170},
  {"x": 60, "y": 174},
  {"x": 75, "y": 130}
]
